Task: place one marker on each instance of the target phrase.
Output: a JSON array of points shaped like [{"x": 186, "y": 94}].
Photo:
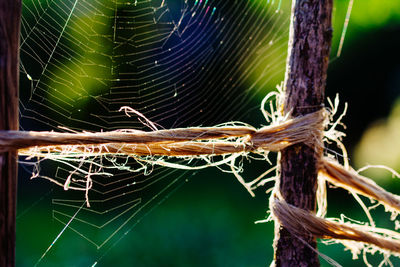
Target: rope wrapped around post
[
  {"x": 225, "y": 140},
  {"x": 174, "y": 142},
  {"x": 299, "y": 221}
]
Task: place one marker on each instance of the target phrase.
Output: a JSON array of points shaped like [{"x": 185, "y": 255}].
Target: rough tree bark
[
  {"x": 305, "y": 78},
  {"x": 10, "y": 13}
]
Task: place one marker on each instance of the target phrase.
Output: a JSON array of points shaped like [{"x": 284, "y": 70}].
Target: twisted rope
[
  {"x": 224, "y": 140},
  {"x": 299, "y": 222},
  {"x": 174, "y": 142}
]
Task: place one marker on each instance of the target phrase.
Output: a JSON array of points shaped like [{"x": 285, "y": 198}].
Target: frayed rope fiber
[
  {"x": 352, "y": 181},
  {"x": 299, "y": 222},
  {"x": 175, "y": 142},
  {"x": 234, "y": 140}
]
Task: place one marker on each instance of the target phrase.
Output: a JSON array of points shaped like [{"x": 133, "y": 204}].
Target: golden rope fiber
[
  {"x": 299, "y": 221},
  {"x": 353, "y": 182},
  {"x": 175, "y": 142},
  {"x": 225, "y": 140},
  {"x": 23, "y": 140}
]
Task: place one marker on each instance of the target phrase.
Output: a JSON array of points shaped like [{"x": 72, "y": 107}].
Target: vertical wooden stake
[
  {"x": 10, "y": 14},
  {"x": 305, "y": 78}
]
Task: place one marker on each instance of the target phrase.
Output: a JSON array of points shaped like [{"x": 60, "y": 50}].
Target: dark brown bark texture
[
  {"x": 10, "y": 12},
  {"x": 305, "y": 78}
]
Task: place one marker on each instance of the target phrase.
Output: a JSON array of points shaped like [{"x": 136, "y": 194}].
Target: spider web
[{"x": 179, "y": 63}]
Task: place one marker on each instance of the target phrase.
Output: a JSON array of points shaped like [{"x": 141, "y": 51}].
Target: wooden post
[
  {"x": 10, "y": 14},
  {"x": 305, "y": 78}
]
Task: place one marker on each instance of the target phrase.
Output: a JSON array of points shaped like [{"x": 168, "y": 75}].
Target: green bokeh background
[{"x": 209, "y": 220}]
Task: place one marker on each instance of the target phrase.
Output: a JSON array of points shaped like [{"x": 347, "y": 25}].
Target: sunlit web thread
[
  {"x": 175, "y": 187},
  {"x": 58, "y": 40},
  {"x": 177, "y": 76},
  {"x": 59, "y": 234},
  {"x": 345, "y": 25},
  {"x": 177, "y": 66}
]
